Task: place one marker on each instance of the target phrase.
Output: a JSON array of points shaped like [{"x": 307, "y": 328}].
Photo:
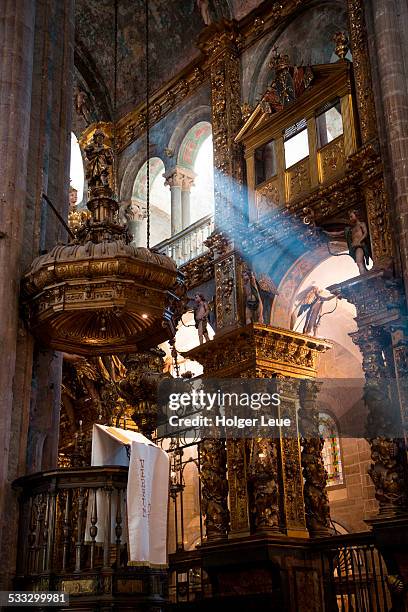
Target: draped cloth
[{"x": 147, "y": 490}]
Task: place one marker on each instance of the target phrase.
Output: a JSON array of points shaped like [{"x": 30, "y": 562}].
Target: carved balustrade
[
  {"x": 189, "y": 243},
  {"x": 73, "y": 538}
]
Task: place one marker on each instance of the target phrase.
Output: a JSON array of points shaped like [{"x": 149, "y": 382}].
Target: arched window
[
  {"x": 76, "y": 169},
  {"x": 160, "y": 227},
  {"x": 196, "y": 156},
  {"x": 331, "y": 449}
]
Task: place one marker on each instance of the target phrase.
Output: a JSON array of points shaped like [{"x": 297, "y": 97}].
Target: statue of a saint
[
  {"x": 310, "y": 302},
  {"x": 99, "y": 158},
  {"x": 253, "y": 300},
  {"x": 201, "y": 310}
]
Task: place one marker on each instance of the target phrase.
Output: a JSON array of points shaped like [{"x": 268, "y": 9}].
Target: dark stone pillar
[
  {"x": 387, "y": 20},
  {"x": 35, "y": 101},
  {"x": 17, "y": 24},
  {"x": 48, "y": 172}
]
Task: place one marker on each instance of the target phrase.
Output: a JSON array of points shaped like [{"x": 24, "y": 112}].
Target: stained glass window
[{"x": 331, "y": 449}]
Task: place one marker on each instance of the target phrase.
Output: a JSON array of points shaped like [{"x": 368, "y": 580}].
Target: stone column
[
  {"x": 388, "y": 19},
  {"x": 36, "y": 102},
  {"x": 174, "y": 179},
  {"x": 188, "y": 182},
  {"x": 134, "y": 214},
  {"x": 314, "y": 473},
  {"x": 17, "y": 26}
]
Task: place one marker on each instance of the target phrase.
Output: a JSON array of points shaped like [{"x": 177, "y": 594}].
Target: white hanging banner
[{"x": 147, "y": 490}]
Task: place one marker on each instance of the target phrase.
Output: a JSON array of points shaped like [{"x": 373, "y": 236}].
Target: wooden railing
[
  {"x": 73, "y": 538},
  {"x": 356, "y": 576},
  {"x": 352, "y": 573}
]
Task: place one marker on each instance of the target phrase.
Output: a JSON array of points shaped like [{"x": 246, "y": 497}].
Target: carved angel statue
[
  {"x": 268, "y": 290},
  {"x": 358, "y": 242},
  {"x": 310, "y": 303},
  {"x": 99, "y": 158},
  {"x": 83, "y": 105},
  {"x": 252, "y": 296}
]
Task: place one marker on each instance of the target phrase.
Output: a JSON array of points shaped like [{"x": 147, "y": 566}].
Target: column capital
[
  {"x": 219, "y": 37},
  {"x": 180, "y": 177},
  {"x": 132, "y": 210}
]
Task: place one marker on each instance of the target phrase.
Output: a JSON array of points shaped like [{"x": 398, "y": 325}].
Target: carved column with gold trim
[
  {"x": 220, "y": 44},
  {"x": 238, "y": 474},
  {"x": 214, "y": 488},
  {"x": 362, "y": 70},
  {"x": 373, "y": 186},
  {"x": 263, "y": 477},
  {"x": 314, "y": 473},
  {"x": 265, "y": 474},
  {"x": 381, "y": 337},
  {"x": 379, "y": 309},
  {"x": 291, "y": 469}
]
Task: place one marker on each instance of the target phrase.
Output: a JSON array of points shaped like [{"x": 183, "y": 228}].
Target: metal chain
[
  {"x": 147, "y": 127},
  {"x": 115, "y": 99}
]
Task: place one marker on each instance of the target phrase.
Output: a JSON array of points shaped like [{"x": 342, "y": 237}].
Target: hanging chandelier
[{"x": 101, "y": 294}]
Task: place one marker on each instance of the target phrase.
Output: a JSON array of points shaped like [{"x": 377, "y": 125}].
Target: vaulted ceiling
[{"x": 174, "y": 27}]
